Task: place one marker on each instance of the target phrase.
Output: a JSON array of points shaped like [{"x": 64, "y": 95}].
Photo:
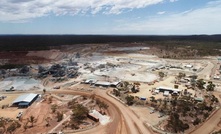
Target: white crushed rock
[
  {"x": 103, "y": 119},
  {"x": 20, "y": 83}
]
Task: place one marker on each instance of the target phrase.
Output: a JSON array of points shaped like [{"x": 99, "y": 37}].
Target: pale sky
[{"x": 131, "y": 17}]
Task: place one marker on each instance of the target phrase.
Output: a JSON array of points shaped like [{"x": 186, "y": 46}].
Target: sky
[{"x": 119, "y": 17}]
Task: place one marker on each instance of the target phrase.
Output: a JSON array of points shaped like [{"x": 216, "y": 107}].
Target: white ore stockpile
[
  {"x": 128, "y": 48},
  {"x": 132, "y": 67},
  {"x": 20, "y": 83}
]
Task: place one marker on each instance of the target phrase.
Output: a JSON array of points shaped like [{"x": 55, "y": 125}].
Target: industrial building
[
  {"x": 189, "y": 66},
  {"x": 170, "y": 90},
  {"x": 90, "y": 81},
  {"x": 25, "y": 100},
  {"x": 101, "y": 83},
  {"x": 166, "y": 93}
]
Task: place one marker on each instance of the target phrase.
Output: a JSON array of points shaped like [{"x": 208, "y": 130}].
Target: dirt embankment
[
  {"x": 19, "y": 57},
  {"x": 31, "y": 57},
  {"x": 47, "y": 54}
]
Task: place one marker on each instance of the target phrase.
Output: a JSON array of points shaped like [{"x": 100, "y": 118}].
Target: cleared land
[{"x": 108, "y": 64}]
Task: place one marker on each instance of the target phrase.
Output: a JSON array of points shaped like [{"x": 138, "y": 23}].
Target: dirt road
[
  {"x": 210, "y": 124},
  {"x": 136, "y": 126},
  {"x": 124, "y": 121},
  {"x": 116, "y": 126}
]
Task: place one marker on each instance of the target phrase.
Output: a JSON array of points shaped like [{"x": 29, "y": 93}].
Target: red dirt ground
[{"x": 21, "y": 58}]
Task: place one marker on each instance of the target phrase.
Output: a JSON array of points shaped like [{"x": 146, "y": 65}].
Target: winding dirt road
[
  {"x": 124, "y": 121},
  {"x": 211, "y": 123}
]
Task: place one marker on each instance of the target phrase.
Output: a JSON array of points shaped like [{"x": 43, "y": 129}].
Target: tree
[
  {"x": 194, "y": 77},
  {"x": 126, "y": 83},
  {"x": 161, "y": 75},
  {"x": 123, "y": 86},
  {"x": 174, "y": 102},
  {"x": 79, "y": 113},
  {"x": 3, "y": 125},
  {"x": 103, "y": 106},
  {"x": 160, "y": 102},
  {"x": 164, "y": 104},
  {"x": 13, "y": 126},
  {"x": 133, "y": 89},
  {"x": 47, "y": 121},
  {"x": 50, "y": 99},
  {"x": 176, "y": 86},
  {"x": 214, "y": 99},
  {"x": 116, "y": 92},
  {"x": 193, "y": 80},
  {"x": 210, "y": 86},
  {"x": 206, "y": 115},
  {"x": 196, "y": 121},
  {"x": 152, "y": 98},
  {"x": 176, "y": 124},
  {"x": 181, "y": 75},
  {"x": 84, "y": 97},
  {"x": 44, "y": 90},
  {"x": 137, "y": 83},
  {"x": 98, "y": 101},
  {"x": 59, "y": 116},
  {"x": 31, "y": 120},
  {"x": 185, "y": 92},
  {"x": 130, "y": 100},
  {"x": 74, "y": 125},
  {"x": 54, "y": 108},
  {"x": 92, "y": 96},
  {"x": 72, "y": 104},
  {"x": 25, "y": 126},
  {"x": 200, "y": 83}
]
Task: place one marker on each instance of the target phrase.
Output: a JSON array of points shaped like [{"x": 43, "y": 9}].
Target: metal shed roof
[
  {"x": 166, "y": 93},
  {"x": 25, "y": 98},
  {"x": 115, "y": 83},
  {"x": 168, "y": 88},
  {"x": 103, "y": 83}
]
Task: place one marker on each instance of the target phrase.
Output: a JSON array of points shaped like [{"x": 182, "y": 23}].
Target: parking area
[
  {"x": 5, "y": 110},
  {"x": 10, "y": 112},
  {"x": 148, "y": 90},
  {"x": 8, "y": 99},
  {"x": 145, "y": 113}
]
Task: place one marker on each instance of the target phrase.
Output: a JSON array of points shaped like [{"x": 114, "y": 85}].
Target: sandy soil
[
  {"x": 10, "y": 112},
  {"x": 20, "y": 83},
  {"x": 10, "y": 98},
  {"x": 40, "y": 111},
  {"x": 144, "y": 114},
  {"x": 129, "y": 124},
  {"x": 145, "y": 89},
  {"x": 206, "y": 72},
  {"x": 132, "y": 67},
  {"x": 21, "y": 58},
  {"x": 131, "y": 118}
]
